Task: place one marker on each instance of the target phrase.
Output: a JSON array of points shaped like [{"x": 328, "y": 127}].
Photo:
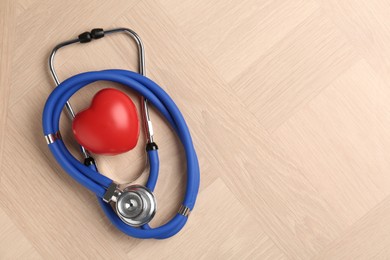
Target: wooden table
[{"x": 288, "y": 103}]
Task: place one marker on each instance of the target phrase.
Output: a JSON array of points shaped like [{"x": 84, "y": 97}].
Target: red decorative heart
[{"x": 110, "y": 125}]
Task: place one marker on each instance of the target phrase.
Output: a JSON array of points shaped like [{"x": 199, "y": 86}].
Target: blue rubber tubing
[{"x": 98, "y": 183}]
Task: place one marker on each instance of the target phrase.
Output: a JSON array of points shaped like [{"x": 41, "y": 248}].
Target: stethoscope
[{"x": 130, "y": 209}]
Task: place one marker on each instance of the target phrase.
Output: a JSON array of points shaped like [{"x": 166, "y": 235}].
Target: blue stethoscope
[{"x": 130, "y": 209}]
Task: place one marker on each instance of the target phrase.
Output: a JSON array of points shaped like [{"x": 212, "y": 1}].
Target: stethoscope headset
[{"x": 130, "y": 209}]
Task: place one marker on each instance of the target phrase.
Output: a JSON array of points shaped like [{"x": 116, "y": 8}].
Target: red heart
[{"x": 110, "y": 125}]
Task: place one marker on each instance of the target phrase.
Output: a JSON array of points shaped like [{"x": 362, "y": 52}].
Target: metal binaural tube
[{"x": 141, "y": 70}]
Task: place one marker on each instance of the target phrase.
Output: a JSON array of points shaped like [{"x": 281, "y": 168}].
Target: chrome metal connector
[
  {"x": 112, "y": 193},
  {"x": 51, "y": 138},
  {"x": 185, "y": 211}
]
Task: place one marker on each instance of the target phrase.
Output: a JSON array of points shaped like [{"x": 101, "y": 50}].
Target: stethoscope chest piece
[{"x": 136, "y": 205}]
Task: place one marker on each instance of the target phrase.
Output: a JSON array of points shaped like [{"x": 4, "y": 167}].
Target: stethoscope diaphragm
[{"x": 136, "y": 205}]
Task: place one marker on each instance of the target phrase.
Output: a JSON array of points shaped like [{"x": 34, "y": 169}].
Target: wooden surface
[{"x": 288, "y": 103}]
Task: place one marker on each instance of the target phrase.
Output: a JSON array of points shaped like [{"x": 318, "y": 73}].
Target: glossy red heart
[{"x": 110, "y": 125}]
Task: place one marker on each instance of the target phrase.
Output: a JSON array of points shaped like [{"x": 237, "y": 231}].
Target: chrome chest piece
[{"x": 135, "y": 205}]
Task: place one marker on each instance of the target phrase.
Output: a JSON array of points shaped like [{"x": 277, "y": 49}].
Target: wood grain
[{"x": 287, "y": 102}]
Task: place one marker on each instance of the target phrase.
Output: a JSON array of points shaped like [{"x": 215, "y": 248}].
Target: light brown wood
[{"x": 287, "y": 102}]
